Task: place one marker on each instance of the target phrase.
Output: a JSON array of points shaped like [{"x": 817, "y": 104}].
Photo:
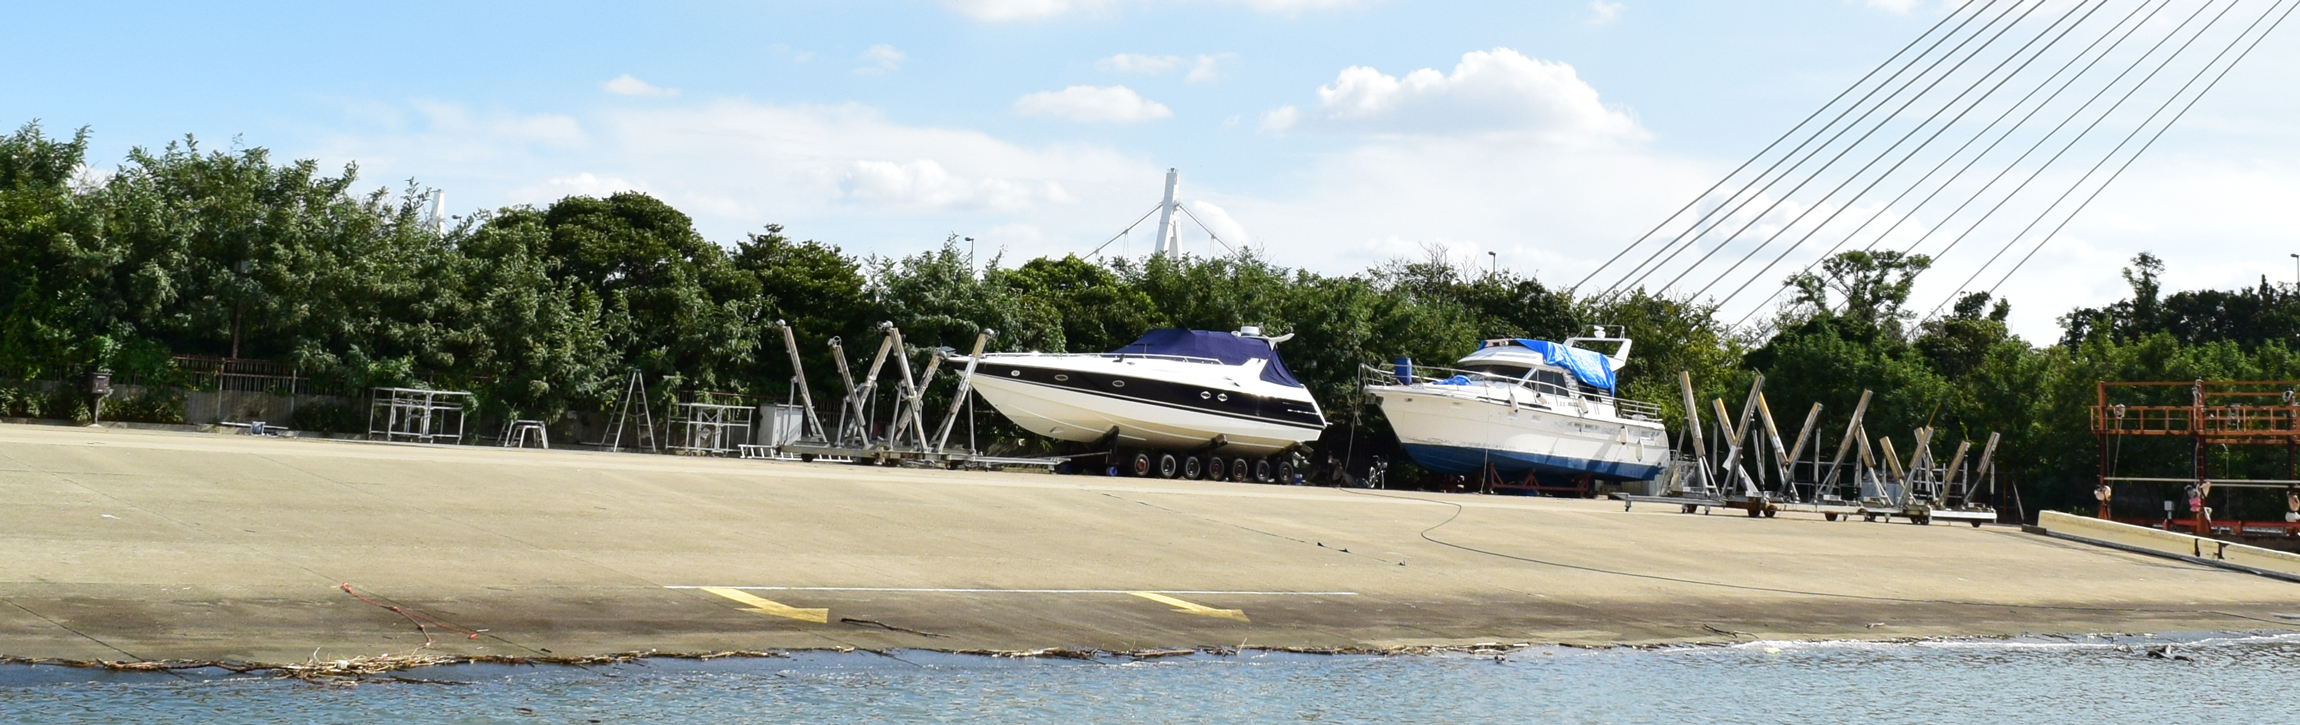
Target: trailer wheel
[
  {"x": 1215, "y": 471},
  {"x": 1829, "y": 517},
  {"x": 1193, "y": 468},
  {"x": 1262, "y": 470},
  {"x": 1770, "y": 513},
  {"x": 1238, "y": 471},
  {"x": 1753, "y": 513},
  {"x": 1141, "y": 466},
  {"x": 1689, "y": 508},
  {"x": 1167, "y": 466},
  {"x": 1976, "y": 524},
  {"x": 1286, "y": 473}
]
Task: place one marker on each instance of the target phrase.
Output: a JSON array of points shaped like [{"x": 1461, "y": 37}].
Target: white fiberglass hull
[
  {"x": 1150, "y": 413},
  {"x": 1462, "y": 429}
]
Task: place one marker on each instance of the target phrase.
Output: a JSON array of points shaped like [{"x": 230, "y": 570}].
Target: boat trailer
[
  {"x": 907, "y": 441},
  {"x": 1763, "y": 478}
]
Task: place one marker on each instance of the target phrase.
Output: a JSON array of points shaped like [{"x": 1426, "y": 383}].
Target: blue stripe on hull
[{"x": 1466, "y": 461}]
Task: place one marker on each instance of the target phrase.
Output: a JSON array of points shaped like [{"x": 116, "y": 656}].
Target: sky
[{"x": 1329, "y": 135}]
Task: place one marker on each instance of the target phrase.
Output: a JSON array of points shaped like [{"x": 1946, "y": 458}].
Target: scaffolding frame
[
  {"x": 705, "y": 427},
  {"x": 416, "y": 414}
]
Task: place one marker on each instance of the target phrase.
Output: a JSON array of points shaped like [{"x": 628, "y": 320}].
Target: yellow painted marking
[
  {"x": 778, "y": 609},
  {"x": 1192, "y": 607}
]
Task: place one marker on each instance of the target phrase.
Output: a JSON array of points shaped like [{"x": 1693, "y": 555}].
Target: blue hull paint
[{"x": 1467, "y": 461}]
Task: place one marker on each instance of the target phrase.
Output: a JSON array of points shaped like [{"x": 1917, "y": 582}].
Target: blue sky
[{"x": 1551, "y": 133}]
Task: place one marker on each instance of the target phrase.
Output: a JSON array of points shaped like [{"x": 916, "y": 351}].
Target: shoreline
[{"x": 174, "y": 547}]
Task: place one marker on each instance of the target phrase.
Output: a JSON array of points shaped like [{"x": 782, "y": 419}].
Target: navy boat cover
[
  {"x": 1590, "y": 366},
  {"x": 1228, "y": 348}
]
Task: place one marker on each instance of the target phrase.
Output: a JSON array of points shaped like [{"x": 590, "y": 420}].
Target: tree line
[{"x": 187, "y": 250}]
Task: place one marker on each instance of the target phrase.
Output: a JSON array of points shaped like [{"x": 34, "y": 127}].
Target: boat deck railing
[
  {"x": 1117, "y": 356},
  {"x": 1422, "y": 374}
]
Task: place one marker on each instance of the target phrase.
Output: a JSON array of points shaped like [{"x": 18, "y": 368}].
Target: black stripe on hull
[{"x": 1165, "y": 393}]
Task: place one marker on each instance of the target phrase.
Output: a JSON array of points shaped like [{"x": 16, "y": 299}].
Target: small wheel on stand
[{"x": 1168, "y": 465}]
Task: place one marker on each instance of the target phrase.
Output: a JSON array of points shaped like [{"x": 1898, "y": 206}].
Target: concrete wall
[{"x": 2169, "y": 542}]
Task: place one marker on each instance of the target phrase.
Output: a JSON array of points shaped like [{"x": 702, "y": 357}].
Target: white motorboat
[
  {"x": 1175, "y": 402},
  {"x": 1520, "y": 406}
]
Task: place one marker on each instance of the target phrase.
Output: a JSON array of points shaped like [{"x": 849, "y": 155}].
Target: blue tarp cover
[
  {"x": 1590, "y": 366},
  {"x": 1228, "y": 348}
]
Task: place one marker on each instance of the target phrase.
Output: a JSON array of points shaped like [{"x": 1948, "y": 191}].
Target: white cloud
[
  {"x": 1604, "y": 13},
  {"x": 1280, "y": 119},
  {"x": 1033, "y": 9},
  {"x": 1149, "y": 65},
  {"x": 1204, "y": 68},
  {"x": 1219, "y": 222},
  {"x": 583, "y": 184},
  {"x": 625, "y": 85},
  {"x": 1092, "y": 103},
  {"x": 1208, "y": 68},
  {"x": 1496, "y": 91},
  {"x": 883, "y": 59},
  {"x": 1897, "y": 7}
]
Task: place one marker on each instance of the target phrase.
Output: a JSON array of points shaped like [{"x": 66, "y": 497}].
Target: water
[{"x": 2228, "y": 678}]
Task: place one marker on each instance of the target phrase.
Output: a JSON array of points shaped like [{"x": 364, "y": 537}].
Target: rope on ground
[{"x": 418, "y": 618}]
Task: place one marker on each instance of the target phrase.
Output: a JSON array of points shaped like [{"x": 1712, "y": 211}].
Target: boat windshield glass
[{"x": 1498, "y": 370}]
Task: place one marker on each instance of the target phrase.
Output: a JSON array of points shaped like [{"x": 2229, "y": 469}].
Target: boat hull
[
  {"x": 1082, "y": 412},
  {"x": 1456, "y": 432}
]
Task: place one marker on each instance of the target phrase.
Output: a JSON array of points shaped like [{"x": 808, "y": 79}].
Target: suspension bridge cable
[
  {"x": 1760, "y": 216},
  {"x": 1129, "y": 228},
  {"x": 2151, "y": 139},
  {"x": 1696, "y": 230},
  {"x": 2104, "y": 114},
  {"x": 1768, "y": 147},
  {"x": 1912, "y": 153},
  {"x": 2096, "y": 96},
  {"x": 1969, "y": 163}
]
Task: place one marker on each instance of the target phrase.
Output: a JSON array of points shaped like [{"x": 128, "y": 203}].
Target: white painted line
[{"x": 937, "y": 590}]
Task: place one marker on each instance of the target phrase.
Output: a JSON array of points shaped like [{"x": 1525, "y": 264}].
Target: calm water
[{"x": 2228, "y": 679}]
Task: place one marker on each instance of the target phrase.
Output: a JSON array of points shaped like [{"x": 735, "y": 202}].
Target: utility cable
[
  {"x": 1202, "y": 226},
  {"x": 2151, "y": 139},
  {"x": 1760, "y": 216},
  {"x": 1768, "y": 147},
  {"x": 1912, "y": 154},
  {"x": 1726, "y": 218},
  {"x": 1721, "y": 209},
  {"x": 1975, "y": 160}
]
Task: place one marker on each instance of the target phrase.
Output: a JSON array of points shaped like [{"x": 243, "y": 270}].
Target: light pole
[
  {"x": 1495, "y": 270},
  {"x": 2296, "y": 268},
  {"x": 970, "y": 255}
]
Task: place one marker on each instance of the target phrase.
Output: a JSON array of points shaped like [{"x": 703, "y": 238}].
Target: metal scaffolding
[{"x": 415, "y": 414}]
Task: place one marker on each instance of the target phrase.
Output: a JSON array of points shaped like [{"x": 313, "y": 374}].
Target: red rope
[{"x": 417, "y": 618}]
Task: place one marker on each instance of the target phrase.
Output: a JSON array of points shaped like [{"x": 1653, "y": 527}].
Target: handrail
[{"x": 1371, "y": 375}]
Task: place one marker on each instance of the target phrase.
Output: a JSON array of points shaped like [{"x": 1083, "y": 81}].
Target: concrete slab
[{"x": 179, "y": 545}]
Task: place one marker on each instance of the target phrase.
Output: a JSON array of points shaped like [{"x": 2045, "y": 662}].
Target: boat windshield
[{"x": 1553, "y": 378}]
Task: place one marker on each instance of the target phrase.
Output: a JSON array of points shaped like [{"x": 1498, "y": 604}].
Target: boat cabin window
[
  {"x": 1553, "y": 377},
  {"x": 1498, "y": 370}
]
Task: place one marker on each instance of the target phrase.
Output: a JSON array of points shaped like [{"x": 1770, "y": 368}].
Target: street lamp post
[
  {"x": 1495, "y": 270},
  {"x": 2296, "y": 268}
]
